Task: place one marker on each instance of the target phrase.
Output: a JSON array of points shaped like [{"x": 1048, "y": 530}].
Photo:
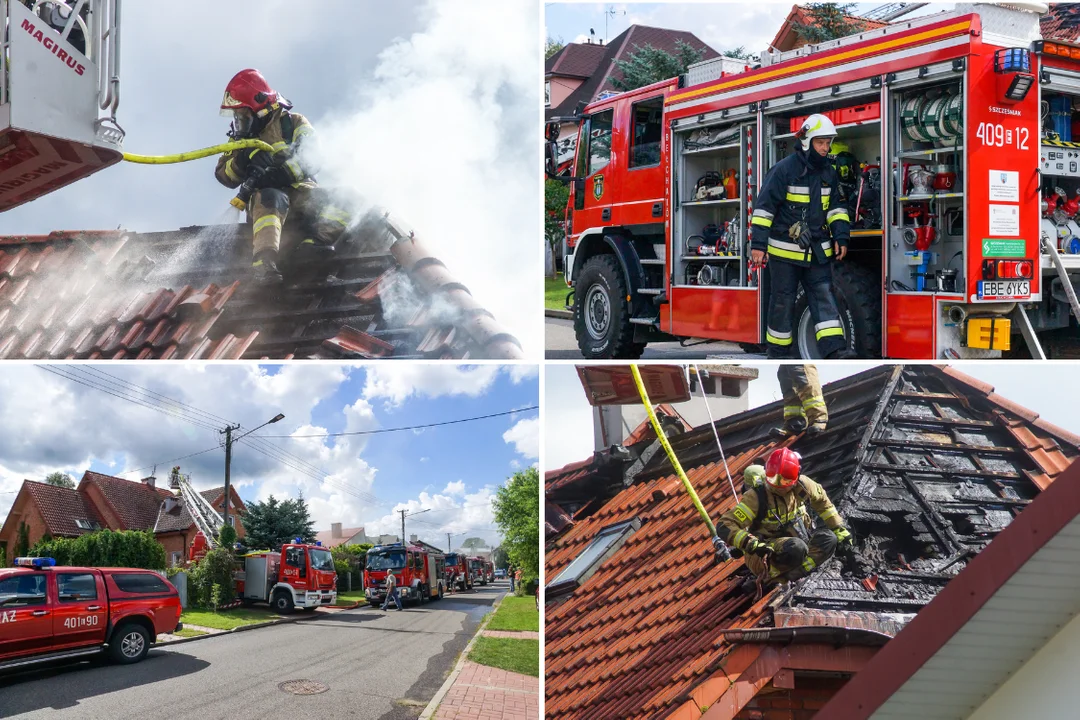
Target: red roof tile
[
  {"x": 61, "y": 507},
  {"x": 788, "y": 39},
  {"x": 575, "y": 60},
  {"x": 188, "y": 294},
  {"x": 1062, "y": 22},
  {"x": 135, "y": 503},
  {"x": 178, "y": 519}
]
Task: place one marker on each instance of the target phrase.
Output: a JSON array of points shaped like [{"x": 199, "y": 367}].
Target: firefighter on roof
[
  {"x": 771, "y": 525},
  {"x": 804, "y": 404},
  {"x": 792, "y": 224},
  {"x": 282, "y": 182}
]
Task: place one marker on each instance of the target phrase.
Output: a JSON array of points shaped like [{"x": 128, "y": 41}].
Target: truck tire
[
  {"x": 858, "y": 297},
  {"x": 129, "y": 643},
  {"x": 282, "y": 602},
  {"x": 601, "y": 318}
]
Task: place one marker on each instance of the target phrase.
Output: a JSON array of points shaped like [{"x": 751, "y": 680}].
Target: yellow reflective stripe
[
  {"x": 230, "y": 170},
  {"x": 792, "y": 197},
  {"x": 253, "y": 153},
  {"x": 813, "y": 402},
  {"x": 792, "y": 411},
  {"x": 742, "y": 513},
  {"x": 786, "y": 253},
  {"x": 772, "y": 339},
  {"x": 829, "y": 514},
  {"x": 830, "y": 332},
  {"x": 840, "y": 215},
  {"x": 335, "y": 214},
  {"x": 809, "y": 564},
  {"x": 301, "y": 130},
  {"x": 763, "y": 222},
  {"x": 739, "y": 539},
  {"x": 280, "y": 146},
  {"x": 267, "y": 221}
]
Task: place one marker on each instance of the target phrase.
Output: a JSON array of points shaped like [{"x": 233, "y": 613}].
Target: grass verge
[
  {"x": 188, "y": 632},
  {"x": 348, "y": 598},
  {"x": 516, "y": 614},
  {"x": 555, "y": 293},
  {"x": 520, "y": 656},
  {"x": 228, "y": 619}
]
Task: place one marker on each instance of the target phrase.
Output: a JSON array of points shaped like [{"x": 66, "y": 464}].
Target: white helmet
[{"x": 816, "y": 125}]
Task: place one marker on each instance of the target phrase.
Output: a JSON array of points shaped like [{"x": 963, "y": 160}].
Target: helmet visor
[
  {"x": 781, "y": 483},
  {"x": 242, "y": 119}
]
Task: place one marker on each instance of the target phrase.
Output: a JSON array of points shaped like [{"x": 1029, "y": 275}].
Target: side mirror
[
  {"x": 551, "y": 132},
  {"x": 551, "y": 159}
]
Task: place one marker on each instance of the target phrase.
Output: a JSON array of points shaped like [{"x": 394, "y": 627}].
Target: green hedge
[
  {"x": 210, "y": 581},
  {"x": 105, "y": 548}
]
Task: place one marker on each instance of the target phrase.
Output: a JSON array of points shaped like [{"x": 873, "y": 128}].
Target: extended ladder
[{"x": 206, "y": 518}]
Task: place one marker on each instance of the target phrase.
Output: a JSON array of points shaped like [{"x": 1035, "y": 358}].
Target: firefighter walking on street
[
  {"x": 790, "y": 231},
  {"x": 771, "y": 525},
  {"x": 282, "y": 185},
  {"x": 804, "y": 403}
]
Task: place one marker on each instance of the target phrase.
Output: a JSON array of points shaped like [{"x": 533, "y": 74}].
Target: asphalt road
[
  {"x": 560, "y": 344},
  {"x": 378, "y": 666}
]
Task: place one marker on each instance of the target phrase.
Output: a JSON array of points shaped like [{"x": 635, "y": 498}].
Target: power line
[
  {"x": 148, "y": 391},
  {"x": 165, "y": 462},
  {"x": 409, "y": 427}
]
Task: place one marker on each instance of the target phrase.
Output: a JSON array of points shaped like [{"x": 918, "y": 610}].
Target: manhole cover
[{"x": 303, "y": 687}]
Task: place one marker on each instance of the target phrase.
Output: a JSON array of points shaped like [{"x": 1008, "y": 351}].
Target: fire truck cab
[
  {"x": 938, "y": 155},
  {"x": 457, "y": 572},
  {"x": 477, "y": 571},
  {"x": 298, "y": 576},
  {"x": 420, "y": 573}
]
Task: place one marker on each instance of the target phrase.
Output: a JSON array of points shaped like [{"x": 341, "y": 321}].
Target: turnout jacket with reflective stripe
[
  {"x": 789, "y": 188},
  {"x": 232, "y": 166},
  {"x": 781, "y": 512}
]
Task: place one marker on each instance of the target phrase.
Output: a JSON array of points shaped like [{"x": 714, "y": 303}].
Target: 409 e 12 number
[{"x": 995, "y": 135}]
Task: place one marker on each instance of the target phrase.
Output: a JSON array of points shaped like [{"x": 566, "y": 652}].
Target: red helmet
[
  {"x": 782, "y": 469},
  {"x": 247, "y": 96}
]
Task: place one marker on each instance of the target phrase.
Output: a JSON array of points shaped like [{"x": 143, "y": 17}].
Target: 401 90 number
[{"x": 83, "y": 621}]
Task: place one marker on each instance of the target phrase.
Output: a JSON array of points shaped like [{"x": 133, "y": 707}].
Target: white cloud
[
  {"x": 455, "y": 488},
  {"x": 515, "y": 464},
  {"x": 397, "y": 382},
  {"x": 424, "y": 459},
  {"x": 525, "y": 437},
  {"x": 459, "y": 514}
]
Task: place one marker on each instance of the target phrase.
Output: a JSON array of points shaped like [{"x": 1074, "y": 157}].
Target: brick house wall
[
  {"x": 23, "y": 510},
  {"x": 800, "y": 703}
]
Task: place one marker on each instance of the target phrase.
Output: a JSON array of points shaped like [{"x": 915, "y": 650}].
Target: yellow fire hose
[
  {"x": 197, "y": 154},
  {"x": 723, "y": 553}
]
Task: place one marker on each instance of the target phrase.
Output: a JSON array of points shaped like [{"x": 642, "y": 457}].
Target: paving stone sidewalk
[{"x": 487, "y": 693}]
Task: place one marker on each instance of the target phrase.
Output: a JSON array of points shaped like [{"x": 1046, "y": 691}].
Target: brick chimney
[
  {"x": 335, "y": 530},
  {"x": 150, "y": 481}
]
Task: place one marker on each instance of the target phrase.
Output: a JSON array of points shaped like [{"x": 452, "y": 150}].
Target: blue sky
[{"x": 451, "y": 471}]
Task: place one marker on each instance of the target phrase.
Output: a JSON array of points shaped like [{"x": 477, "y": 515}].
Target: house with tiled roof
[
  {"x": 927, "y": 466},
  {"x": 338, "y": 535},
  {"x": 788, "y": 38},
  {"x": 106, "y": 502},
  {"x": 1061, "y": 22},
  {"x": 189, "y": 294}
]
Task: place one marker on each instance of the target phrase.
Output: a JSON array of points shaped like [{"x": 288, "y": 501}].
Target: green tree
[
  {"x": 741, "y": 53},
  {"x": 227, "y": 536},
  {"x": 210, "y": 581},
  {"x": 828, "y": 21},
  {"x": 22, "y": 540},
  {"x": 105, "y": 548},
  {"x": 272, "y": 523},
  {"x": 556, "y": 195},
  {"x": 473, "y": 542},
  {"x": 646, "y": 65},
  {"x": 553, "y": 46},
  {"x": 499, "y": 557},
  {"x": 517, "y": 513},
  {"x": 60, "y": 479}
]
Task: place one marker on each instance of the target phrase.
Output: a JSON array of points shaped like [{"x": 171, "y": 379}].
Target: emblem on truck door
[{"x": 598, "y": 186}]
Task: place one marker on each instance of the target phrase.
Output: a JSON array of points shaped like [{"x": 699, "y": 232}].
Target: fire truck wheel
[
  {"x": 129, "y": 644},
  {"x": 282, "y": 603},
  {"x": 601, "y": 318},
  {"x": 858, "y": 297}
]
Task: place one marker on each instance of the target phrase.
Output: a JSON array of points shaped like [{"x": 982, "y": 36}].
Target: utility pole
[
  {"x": 449, "y": 547},
  {"x": 405, "y": 514},
  {"x": 228, "y": 431}
]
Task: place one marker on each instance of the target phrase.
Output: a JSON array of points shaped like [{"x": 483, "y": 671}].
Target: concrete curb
[
  {"x": 563, "y": 314},
  {"x": 242, "y": 628},
  {"x": 429, "y": 711}
]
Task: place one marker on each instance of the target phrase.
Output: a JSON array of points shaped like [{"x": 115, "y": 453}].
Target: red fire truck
[
  {"x": 420, "y": 573},
  {"x": 477, "y": 571},
  {"x": 297, "y": 576},
  {"x": 457, "y": 572},
  {"x": 939, "y": 151}
]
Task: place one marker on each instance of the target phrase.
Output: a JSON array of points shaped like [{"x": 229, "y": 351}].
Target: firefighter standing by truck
[
  {"x": 277, "y": 182},
  {"x": 804, "y": 403},
  {"x": 790, "y": 229},
  {"x": 771, "y": 525}
]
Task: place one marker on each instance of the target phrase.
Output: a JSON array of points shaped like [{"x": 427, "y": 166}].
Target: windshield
[
  {"x": 452, "y": 559},
  {"x": 321, "y": 559},
  {"x": 474, "y": 564},
  {"x": 394, "y": 560}
]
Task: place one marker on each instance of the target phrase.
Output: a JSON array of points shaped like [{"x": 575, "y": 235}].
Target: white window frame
[{"x": 604, "y": 544}]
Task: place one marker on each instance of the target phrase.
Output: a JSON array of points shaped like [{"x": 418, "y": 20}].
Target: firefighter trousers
[
  {"x": 802, "y": 394},
  {"x": 816, "y": 279},
  {"x": 306, "y": 214},
  {"x": 793, "y": 558}
]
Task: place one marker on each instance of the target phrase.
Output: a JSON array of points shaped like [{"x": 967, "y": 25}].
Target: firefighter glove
[
  {"x": 275, "y": 177},
  {"x": 260, "y": 159},
  {"x": 756, "y": 547},
  {"x": 845, "y": 539}
]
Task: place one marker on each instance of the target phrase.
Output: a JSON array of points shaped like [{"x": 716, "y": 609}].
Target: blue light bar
[
  {"x": 34, "y": 562},
  {"x": 318, "y": 543},
  {"x": 1009, "y": 60},
  {"x": 297, "y": 540}
]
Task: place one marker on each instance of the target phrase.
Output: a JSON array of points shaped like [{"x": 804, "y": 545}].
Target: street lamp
[{"x": 229, "y": 440}]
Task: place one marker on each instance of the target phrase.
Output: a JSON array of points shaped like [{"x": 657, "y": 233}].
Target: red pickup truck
[{"x": 58, "y": 613}]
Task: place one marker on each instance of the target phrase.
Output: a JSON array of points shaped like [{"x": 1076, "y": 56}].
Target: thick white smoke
[{"x": 445, "y": 135}]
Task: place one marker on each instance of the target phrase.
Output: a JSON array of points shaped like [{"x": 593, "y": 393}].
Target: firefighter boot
[
  {"x": 265, "y": 267},
  {"x": 792, "y": 426}
]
